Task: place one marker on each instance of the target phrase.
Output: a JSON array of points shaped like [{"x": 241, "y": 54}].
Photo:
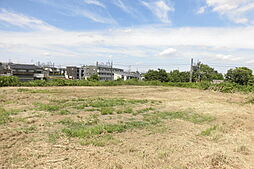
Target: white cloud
[
  {"x": 160, "y": 9},
  {"x": 235, "y": 10},
  {"x": 135, "y": 42},
  {"x": 240, "y": 20},
  {"x": 79, "y": 9},
  {"x": 94, "y": 16},
  {"x": 227, "y": 57},
  {"x": 95, "y": 2},
  {"x": 23, "y": 21},
  {"x": 122, "y": 5},
  {"x": 240, "y": 37},
  {"x": 201, "y": 10},
  {"x": 168, "y": 52}
]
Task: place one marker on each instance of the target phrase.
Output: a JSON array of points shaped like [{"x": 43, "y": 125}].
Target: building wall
[
  {"x": 105, "y": 73},
  {"x": 75, "y": 73},
  {"x": 72, "y": 72},
  {"x": 26, "y": 72}
]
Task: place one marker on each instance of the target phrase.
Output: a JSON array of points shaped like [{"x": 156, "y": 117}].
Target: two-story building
[{"x": 26, "y": 72}]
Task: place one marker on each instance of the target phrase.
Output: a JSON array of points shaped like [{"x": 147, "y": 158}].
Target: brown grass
[{"x": 33, "y": 135}]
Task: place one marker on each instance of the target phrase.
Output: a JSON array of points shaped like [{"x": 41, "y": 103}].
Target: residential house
[{"x": 26, "y": 72}]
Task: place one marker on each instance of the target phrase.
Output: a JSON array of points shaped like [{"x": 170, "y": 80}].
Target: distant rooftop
[{"x": 23, "y": 66}]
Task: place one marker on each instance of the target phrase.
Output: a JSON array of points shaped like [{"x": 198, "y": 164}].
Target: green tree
[
  {"x": 160, "y": 75},
  {"x": 204, "y": 72},
  {"x": 185, "y": 76},
  {"x": 240, "y": 75},
  {"x": 177, "y": 76},
  {"x": 251, "y": 81},
  {"x": 94, "y": 77}
]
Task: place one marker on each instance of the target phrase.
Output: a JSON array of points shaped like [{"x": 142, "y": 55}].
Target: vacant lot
[{"x": 125, "y": 127}]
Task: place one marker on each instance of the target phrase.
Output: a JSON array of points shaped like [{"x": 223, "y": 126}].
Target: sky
[{"x": 134, "y": 34}]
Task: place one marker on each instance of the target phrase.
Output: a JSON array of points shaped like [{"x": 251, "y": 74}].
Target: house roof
[{"x": 23, "y": 66}]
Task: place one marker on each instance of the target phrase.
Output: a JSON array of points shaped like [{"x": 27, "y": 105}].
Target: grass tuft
[
  {"x": 30, "y": 129},
  {"x": 250, "y": 100},
  {"x": 208, "y": 131},
  {"x": 187, "y": 116},
  {"x": 82, "y": 130},
  {"x": 100, "y": 141},
  {"x": 64, "y": 112},
  {"x": 144, "y": 110},
  {"x": 106, "y": 110},
  {"x": 125, "y": 111},
  {"x": 47, "y": 107},
  {"x": 53, "y": 137},
  {"x": 4, "y": 116}
]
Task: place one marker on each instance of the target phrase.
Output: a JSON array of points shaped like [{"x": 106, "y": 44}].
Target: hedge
[{"x": 222, "y": 87}]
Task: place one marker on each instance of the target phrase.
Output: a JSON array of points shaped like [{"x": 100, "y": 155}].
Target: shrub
[
  {"x": 226, "y": 87},
  {"x": 106, "y": 110},
  {"x": 9, "y": 81}
]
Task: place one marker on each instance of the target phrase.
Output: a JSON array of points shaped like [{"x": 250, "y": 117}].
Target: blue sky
[{"x": 136, "y": 34}]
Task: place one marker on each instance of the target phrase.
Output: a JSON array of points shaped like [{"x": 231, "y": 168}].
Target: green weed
[
  {"x": 250, "y": 100},
  {"x": 126, "y": 111},
  {"x": 208, "y": 131},
  {"x": 81, "y": 130},
  {"x": 106, "y": 110},
  {"x": 145, "y": 110},
  {"x": 5, "y": 115},
  {"x": 187, "y": 116},
  {"x": 100, "y": 141},
  {"x": 100, "y": 102},
  {"x": 92, "y": 109},
  {"x": 30, "y": 129},
  {"x": 47, "y": 107},
  {"x": 53, "y": 137},
  {"x": 64, "y": 112},
  {"x": 92, "y": 119}
]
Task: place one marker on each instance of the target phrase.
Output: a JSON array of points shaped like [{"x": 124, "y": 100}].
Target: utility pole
[{"x": 191, "y": 70}]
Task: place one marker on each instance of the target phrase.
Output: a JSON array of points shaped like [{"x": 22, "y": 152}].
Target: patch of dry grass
[{"x": 125, "y": 127}]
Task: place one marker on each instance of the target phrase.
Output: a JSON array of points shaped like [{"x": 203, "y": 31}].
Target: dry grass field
[{"x": 125, "y": 127}]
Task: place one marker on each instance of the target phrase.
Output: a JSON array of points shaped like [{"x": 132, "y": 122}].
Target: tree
[
  {"x": 94, "y": 77},
  {"x": 177, "y": 76},
  {"x": 251, "y": 81},
  {"x": 203, "y": 72},
  {"x": 240, "y": 75},
  {"x": 160, "y": 75}
]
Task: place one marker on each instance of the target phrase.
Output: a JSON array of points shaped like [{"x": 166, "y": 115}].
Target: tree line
[{"x": 202, "y": 72}]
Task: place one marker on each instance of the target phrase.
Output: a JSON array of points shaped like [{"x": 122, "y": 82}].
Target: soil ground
[{"x": 44, "y": 128}]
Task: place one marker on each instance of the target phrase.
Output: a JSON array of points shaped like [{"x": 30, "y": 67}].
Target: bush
[
  {"x": 94, "y": 78},
  {"x": 251, "y": 81},
  {"x": 226, "y": 87},
  {"x": 9, "y": 81}
]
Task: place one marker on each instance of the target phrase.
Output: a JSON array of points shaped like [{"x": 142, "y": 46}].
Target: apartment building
[
  {"x": 105, "y": 72},
  {"x": 74, "y": 72},
  {"x": 24, "y": 72}
]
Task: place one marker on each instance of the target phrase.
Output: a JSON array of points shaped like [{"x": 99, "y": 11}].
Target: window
[{"x": 21, "y": 70}]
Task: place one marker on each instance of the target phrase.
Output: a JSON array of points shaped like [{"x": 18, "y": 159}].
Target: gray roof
[{"x": 23, "y": 66}]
